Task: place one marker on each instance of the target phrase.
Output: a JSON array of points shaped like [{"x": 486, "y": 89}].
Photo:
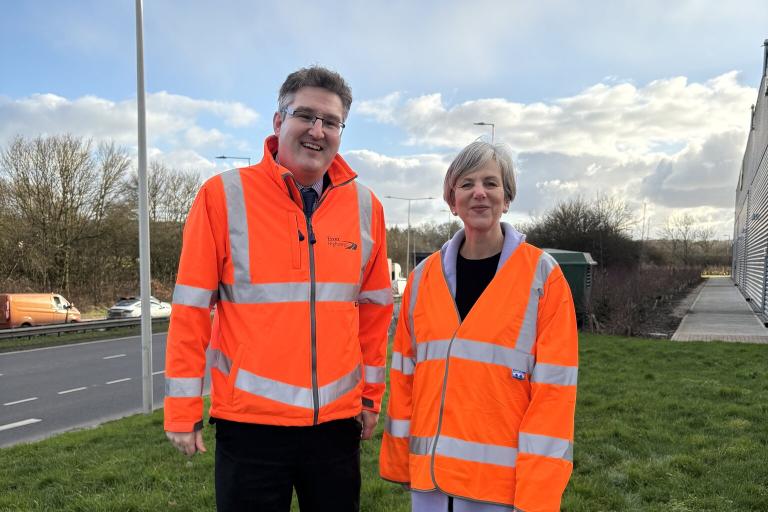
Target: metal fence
[{"x": 92, "y": 325}]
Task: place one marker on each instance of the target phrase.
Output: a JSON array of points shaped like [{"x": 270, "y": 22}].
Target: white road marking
[
  {"x": 21, "y": 423},
  {"x": 118, "y": 380},
  {"x": 114, "y": 357},
  {"x": 158, "y": 373},
  {"x": 21, "y": 401},
  {"x": 71, "y": 390}
]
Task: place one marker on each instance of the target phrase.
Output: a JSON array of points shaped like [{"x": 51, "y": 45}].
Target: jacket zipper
[
  {"x": 313, "y": 319},
  {"x": 445, "y": 387},
  {"x": 312, "y": 302}
]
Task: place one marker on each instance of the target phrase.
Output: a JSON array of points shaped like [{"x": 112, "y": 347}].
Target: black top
[{"x": 472, "y": 277}]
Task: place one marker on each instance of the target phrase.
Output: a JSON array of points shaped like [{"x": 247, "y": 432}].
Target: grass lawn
[{"x": 660, "y": 426}]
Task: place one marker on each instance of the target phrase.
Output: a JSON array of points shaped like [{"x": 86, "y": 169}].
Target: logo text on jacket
[{"x": 336, "y": 241}]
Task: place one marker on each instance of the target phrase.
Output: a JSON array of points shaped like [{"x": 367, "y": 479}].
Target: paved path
[{"x": 720, "y": 312}]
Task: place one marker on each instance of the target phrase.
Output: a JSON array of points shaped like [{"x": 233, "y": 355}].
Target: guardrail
[{"x": 89, "y": 325}]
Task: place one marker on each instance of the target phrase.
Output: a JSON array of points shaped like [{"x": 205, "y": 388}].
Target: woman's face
[{"x": 479, "y": 198}]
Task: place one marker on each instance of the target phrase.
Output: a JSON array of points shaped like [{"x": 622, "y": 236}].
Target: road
[{"x": 51, "y": 390}]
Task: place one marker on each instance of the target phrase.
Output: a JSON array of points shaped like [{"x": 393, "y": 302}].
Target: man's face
[{"x": 307, "y": 149}]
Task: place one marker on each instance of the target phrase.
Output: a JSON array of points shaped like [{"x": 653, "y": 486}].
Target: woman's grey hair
[
  {"x": 476, "y": 155},
  {"x": 315, "y": 76}
]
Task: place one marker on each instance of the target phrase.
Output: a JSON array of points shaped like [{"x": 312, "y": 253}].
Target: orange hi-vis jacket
[
  {"x": 302, "y": 304},
  {"x": 483, "y": 409}
]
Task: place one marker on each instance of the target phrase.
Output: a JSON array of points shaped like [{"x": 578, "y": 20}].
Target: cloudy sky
[{"x": 648, "y": 101}]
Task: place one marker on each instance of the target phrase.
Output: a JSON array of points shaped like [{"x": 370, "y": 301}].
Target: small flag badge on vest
[{"x": 518, "y": 374}]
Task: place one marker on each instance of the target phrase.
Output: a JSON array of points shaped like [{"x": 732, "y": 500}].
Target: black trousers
[{"x": 257, "y": 466}]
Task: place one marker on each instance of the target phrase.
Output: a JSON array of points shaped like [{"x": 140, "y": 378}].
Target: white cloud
[
  {"x": 671, "y": 143},
  {"x": 618, "y": 120},
  {"x": 412, "y": 176},
  {"x": 172, "y": 120}
]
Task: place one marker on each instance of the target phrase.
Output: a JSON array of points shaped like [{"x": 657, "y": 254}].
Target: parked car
[
  {"x": 29, "y": 309},
  {"x": 130, "y": 307}
]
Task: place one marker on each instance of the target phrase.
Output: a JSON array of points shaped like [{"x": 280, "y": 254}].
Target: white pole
[{"x": 144, "y": 277}]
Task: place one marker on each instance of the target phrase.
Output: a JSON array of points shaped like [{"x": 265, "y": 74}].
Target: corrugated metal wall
[{"x": 750, "y": 236}]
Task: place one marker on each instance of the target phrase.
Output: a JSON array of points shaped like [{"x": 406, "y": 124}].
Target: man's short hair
[{"x": 315, "y": 76}]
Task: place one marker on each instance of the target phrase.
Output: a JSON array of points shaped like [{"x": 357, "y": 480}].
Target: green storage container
[{"x": 577, "y": 268}]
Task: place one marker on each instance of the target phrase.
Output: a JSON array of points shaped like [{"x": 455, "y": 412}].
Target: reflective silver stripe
[
  {"x": 381, "y": 297},
  {"x": 374, "y": 374},
  {"x": 466, "y": 450},
  {"x": 546, "y": 446},
  {"x": 431, "y": 350},
  {"x": 194, "y": 296},
  {"x": 336, "y": 292},
  {"x": 404, "y": 365},
  {"x": 241, "y": 293},
  {"x": 296, "y": 395},
  {"x": 476, "y": 452},
  {"x": 397, "y": 428},
  {"x": 479, "y": 351},
  {"x": 545, "y": 373},
  {"x": 220, "y": 361},
  {"x": 183, "y": 387},
  {"x": 413, "y": 297},
  {"x": 365, "y": 208},
  {"x": 527, "y": 336},
  {"x": 420, "y": 445},
  {"x": 340, "y": 387},
  {"x": 237, "y": 221}
]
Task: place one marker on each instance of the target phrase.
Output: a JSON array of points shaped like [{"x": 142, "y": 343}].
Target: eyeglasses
[{"x": 330, "y": 126}]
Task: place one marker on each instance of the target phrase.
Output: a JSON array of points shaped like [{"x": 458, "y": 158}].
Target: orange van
[{"x": 28, "y": 309}]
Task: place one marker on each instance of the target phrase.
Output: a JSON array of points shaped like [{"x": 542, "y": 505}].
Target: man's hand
[
  {"x": 187, "y": 443},
  {"x": 368, "y": 420}
]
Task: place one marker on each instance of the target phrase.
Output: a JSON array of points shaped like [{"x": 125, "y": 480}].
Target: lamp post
[
  {"x": 224, "y": 157},
  {"x": 408, "y": 246},
  {"x": 493, "y": 128},
  {"x": 144, "y": 254}
]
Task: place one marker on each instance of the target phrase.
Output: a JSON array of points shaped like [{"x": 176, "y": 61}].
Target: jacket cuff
[{"x": 182, "y": 426}]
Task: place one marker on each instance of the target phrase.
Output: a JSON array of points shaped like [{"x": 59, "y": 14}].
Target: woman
[{"x": 483, "y": 377}]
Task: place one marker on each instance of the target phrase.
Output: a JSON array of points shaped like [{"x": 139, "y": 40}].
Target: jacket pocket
[
  {"x": 236, "y": 364},
  {"x": 298, "y": 236}
]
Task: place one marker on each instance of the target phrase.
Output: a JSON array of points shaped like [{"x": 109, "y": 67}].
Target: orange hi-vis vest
[
  {"x": 302, "y": 304},
  {"x": 483, "y": 409}
]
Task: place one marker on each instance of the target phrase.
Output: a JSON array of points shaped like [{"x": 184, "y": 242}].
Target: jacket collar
[{"x": 450, "y": 251}]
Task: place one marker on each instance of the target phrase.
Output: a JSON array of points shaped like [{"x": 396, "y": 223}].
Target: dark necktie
[{"x": 308, "y": 197}]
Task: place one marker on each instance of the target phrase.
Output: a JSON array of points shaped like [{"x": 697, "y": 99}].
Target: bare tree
[
  {"x": 57, "y": 191},
  {"x": 171, "y": 192},
  {"x": 680, "y": 231},
  {"x": 600, "y": 227}
]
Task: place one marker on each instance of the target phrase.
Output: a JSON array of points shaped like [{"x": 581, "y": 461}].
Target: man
[{"x": 292, "y": 253}]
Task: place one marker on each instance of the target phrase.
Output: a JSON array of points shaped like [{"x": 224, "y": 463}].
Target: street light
[
  {"x": 224, "y": 157},
  {"x": 408, "y": 246},
  {"x": 493, "y": 128}
]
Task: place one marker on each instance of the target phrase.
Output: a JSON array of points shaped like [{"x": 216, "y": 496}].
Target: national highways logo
[{"x": 335, "y": 241}]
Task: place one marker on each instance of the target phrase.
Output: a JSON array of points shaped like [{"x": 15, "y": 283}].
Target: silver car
[{"x": 130, "y": 307}]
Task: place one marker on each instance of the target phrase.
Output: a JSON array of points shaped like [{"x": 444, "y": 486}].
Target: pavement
[{"x": 720, "y": 312}]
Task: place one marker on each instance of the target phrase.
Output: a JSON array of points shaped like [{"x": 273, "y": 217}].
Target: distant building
[{"x": 750, "y": 234}]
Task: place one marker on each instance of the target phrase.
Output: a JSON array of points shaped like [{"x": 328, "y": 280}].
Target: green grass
[
  {"x": 52, "y": 340},
  {"x": 660, "y": 426}
]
